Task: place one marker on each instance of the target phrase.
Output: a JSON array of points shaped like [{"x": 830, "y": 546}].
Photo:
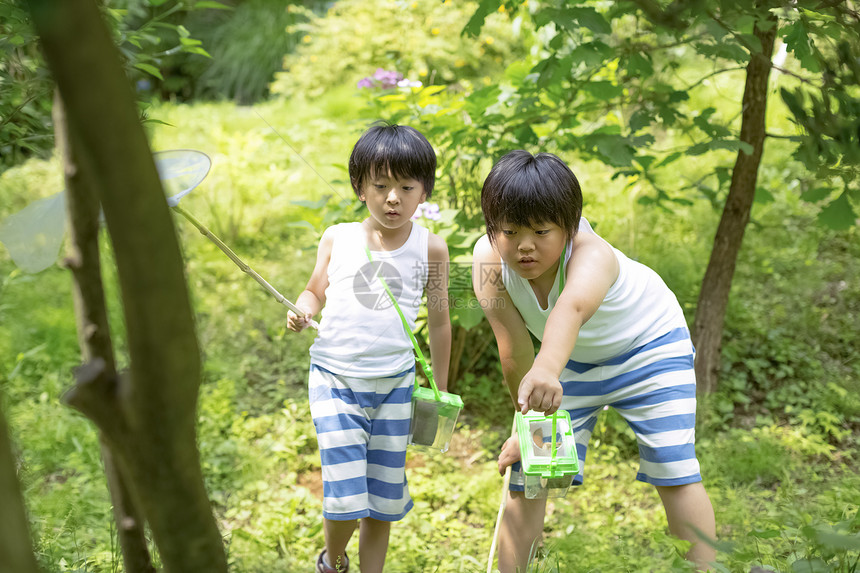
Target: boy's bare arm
[
  {"x": 591, "y": 271},
  {"x": 438, "y": 316},
  {"x": 516, "y": 351},
  {"x": 312, "y": 298}
]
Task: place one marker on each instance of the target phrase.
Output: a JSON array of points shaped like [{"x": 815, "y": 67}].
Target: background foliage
[
  {"x": 247, "y": 41},
  {"x": 418, "y": 39},
  {"x": 778, "y": 443}
]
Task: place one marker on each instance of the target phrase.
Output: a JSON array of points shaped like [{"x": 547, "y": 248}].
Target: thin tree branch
[
  {"x": 728, "y": 29},
  {"x": 795, "y": 75},
  {"x": 712, "y": 74}
]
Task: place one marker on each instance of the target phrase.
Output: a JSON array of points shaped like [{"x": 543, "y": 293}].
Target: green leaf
[
  {"x": 815, "y": 195},
  {"x": 671, "y": 158},
  {"x": 517, "y": 72},
  {"x": 603, "y": 90},
  {"x": 796, "y": 38},
  {"x": 149, "y": 69},
  {"x": 639, "y": 66},
  {"x": 704, "y": 123},
  {"x": 752, "y": 41},
  {"x": 547, "y": 69},
  {"x": 724, "y": 175},
  {"x": 157, "y": 122},
  {"x": 645, "y": 161},
  {"x": 839, "y": 541},
  {"x": 466, "y": 316},
  {"x": 763, "y": 196},
  {"x": 839, "y": 214},
  {"x": 794, "y": 101},
  {"x": 525, "y": 134},
  {"x": 813, "y": 565},
  {"x": 729, "y": 51},
  {"x": 468, "y": 241},
  {"x": 208, "y": 4},
  {"x": 699, "y": 148},
  {"x": 478, "y": 102},
  {"x": 196, "y": 50},
  {"x": 476, "y": 22},
  {"x": 614, "y": 148},
  {"x": 640, "y": 118},
  {"x": 591, "y": 19},
  {"x": 157, "y": 2},
  {"x": 432, "y": 90},
  {"x": 592, "y": 54},
  {"x": 677, "y": 96}
]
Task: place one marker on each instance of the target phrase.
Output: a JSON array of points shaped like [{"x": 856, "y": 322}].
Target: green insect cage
[{"x": 548, "y": 453}]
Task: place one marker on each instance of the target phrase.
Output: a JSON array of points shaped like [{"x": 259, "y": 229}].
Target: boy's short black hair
[
  {"x": 388, "y": 147},
  {"x": 524, "y": 190}
]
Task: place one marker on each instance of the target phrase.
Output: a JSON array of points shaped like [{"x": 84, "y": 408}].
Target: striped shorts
[
  {"x": 362, "y": 427},
  {"x": 653, "y": 387}
]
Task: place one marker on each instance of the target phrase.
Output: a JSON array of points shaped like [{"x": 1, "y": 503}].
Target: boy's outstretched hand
[
  {"x": 298, "y": 323},
  {"x": 539, "y": 390},
  {"x": 510, "y": 453}
]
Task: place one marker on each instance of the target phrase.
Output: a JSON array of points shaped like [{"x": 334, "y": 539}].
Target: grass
[{"x": 774, "y": 484}]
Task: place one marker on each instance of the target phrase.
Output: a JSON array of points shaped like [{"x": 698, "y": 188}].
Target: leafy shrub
[
  {"x": 419, "y": 39},
  {"x": 789, "y": 347},
  {"x": 756, "y": 456},
  {"x": 258, "y": 450},
  {"x": 247, "y": 45},
  {"x": 26, "y": 128},
  {"x": 143, "y": 33}
]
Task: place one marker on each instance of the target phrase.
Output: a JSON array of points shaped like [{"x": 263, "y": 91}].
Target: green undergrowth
[{"x": 777, "y": 442}]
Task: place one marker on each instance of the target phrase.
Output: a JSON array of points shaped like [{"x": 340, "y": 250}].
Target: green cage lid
[
  {"x": 428, "y": 394},
  {"x": 555, "y": 464}
]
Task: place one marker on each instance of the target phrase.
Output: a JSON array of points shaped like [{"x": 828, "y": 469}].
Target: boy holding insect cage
[
  {"x": 611, "y": 332},
  {"x": 362, "y": 371}
]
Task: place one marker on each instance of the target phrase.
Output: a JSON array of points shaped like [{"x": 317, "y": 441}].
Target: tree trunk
[
  {"x": 458, "y": 344},
  {"x": 148, "y": 417},
  {"x": 16, "y": 548},
  {"x": 93, "y": 330},
  {"x": 714, "y": 295}
]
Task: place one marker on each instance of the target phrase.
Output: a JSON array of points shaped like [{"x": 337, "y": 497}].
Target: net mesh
[
  {"x": 181, "y": 170},
  {"x": 34, "y": 234}
]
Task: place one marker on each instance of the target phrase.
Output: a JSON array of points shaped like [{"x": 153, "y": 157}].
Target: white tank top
[
  {"x": 638, "y": 308},
  {"x": 361, "y": 334}
]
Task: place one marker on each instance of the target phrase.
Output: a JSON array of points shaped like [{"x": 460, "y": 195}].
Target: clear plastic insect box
[
  {"x": 548, "y": 453},
  {"x": 434, "y": 415}
]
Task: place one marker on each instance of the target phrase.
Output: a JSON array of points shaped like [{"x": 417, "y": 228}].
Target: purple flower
[
  {"x": 386, "y": 80},
  {"x": 431, "y": 211},
  {"x": 427, "y": 211}
]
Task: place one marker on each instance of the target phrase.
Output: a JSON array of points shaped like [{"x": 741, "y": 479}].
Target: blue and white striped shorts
[
  {"x": 362, "y": 427},
  {"x": 653, "y": 387}
]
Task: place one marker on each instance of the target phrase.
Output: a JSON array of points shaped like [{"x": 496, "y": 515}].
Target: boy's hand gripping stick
[{"x": 241, "y": 264}]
